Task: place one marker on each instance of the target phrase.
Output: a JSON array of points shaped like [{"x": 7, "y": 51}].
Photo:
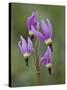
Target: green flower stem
[
  {"x": 34, "y": 58},
  {"x": 37, "y": 62}
]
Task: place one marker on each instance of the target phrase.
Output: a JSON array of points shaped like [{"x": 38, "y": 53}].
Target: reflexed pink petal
[
  {"x": 24, "y": 45},
  {"x": 46, "y": 29},
  {"x": 47, "y": 57},
  {"x": 19, "y": 44},
  {"x": 50, "y": 26},
  {"x": 33, "y": 21},
  {"x": 38, "y": 34},
  {"x": 30, "y": 45}
]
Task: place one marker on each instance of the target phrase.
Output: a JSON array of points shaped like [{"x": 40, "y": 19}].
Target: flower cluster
[{"x": 41, "y": 31}]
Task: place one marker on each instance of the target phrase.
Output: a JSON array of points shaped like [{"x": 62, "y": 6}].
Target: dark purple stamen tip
[
  {"x": 49, "y": 70},
  {"x": 31, "y": 37},
  {"x": 51, "y": 47},
  {"x": 26, "y": 60}
]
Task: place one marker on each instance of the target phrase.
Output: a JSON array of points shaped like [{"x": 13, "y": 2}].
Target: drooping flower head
[
  {"x": 32, "y": 21},
  {"x": 26, "y": 48},
  {"x": 46, "y": 32},
  {"x": 47, "y": 59}
]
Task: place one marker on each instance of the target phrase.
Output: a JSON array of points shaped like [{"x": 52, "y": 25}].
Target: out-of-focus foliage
[{"x": 26, "y": 76}]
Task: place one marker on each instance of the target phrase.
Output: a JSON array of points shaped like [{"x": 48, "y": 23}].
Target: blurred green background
[{"x": 26, "y": 76}]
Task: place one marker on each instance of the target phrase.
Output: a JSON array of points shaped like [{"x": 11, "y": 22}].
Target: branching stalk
[{"x": 37, "y": 62}]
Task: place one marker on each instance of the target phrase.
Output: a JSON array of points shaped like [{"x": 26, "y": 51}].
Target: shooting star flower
[
  {"x": 46, "y": 34},
  {"x": 47, "y": 59},
  {"x": 32, "y": 21},
  {"x": 25, "y": 48}
]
